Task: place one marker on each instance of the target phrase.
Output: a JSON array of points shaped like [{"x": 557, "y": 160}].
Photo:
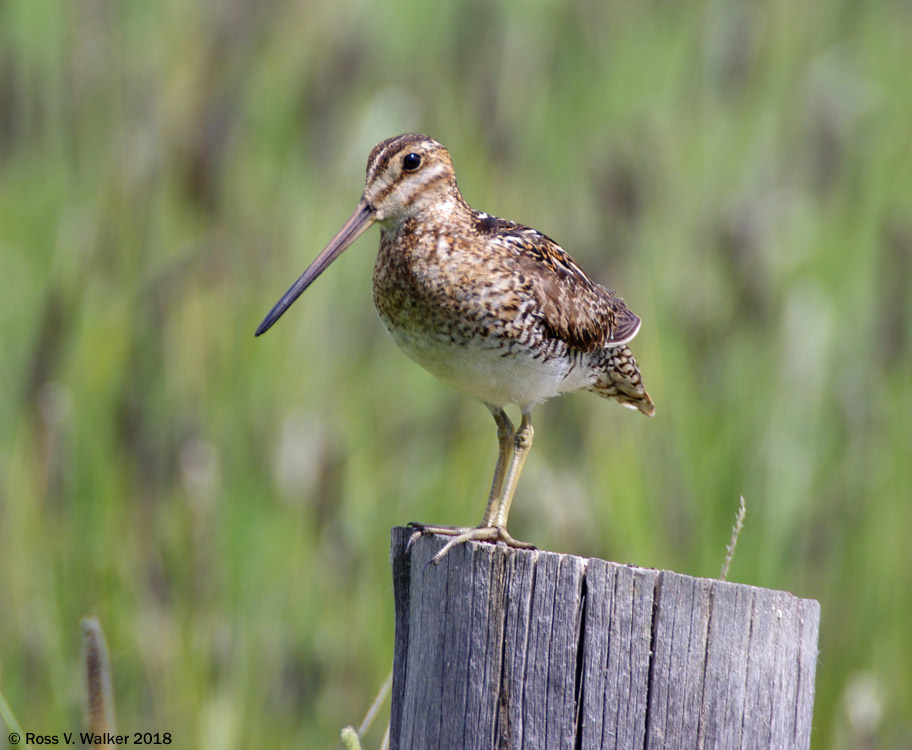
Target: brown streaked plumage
[{"x": 494, "y": 308}]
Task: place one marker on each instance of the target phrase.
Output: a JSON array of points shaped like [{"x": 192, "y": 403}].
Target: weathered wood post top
[{"x": 504, "y": 648}]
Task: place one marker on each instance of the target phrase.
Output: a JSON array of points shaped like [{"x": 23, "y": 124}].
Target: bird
[{"x": 494, "y": 308}]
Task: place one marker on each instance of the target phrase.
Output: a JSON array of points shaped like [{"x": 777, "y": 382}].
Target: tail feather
[{"x": 619, "y": 378}]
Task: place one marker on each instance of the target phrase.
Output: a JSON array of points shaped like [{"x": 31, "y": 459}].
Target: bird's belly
[{"x": 496, "y": 371}]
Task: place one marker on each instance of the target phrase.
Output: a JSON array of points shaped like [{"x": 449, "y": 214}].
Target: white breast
[{"x": 491, "y": 372}]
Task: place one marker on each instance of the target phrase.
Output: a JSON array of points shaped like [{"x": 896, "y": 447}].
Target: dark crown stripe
[{"x": 379, "y": 158}]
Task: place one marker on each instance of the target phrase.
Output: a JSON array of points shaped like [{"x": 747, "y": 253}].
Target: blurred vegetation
[{"x": 741, "y": 172}]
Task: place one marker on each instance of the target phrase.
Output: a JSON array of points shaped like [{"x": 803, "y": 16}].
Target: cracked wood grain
[{"x": 502, "y": 648}]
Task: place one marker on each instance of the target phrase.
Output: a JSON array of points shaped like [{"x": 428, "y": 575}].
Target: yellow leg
[
  {"x": 513, "y": 449},
  {"x": 505, "y": 436},
  {"x": 522, "y": 442}
]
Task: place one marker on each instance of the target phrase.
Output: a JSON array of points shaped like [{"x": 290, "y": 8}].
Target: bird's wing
[{"x": 577, "y": 310}]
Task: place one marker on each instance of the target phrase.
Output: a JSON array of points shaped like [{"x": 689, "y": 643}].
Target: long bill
[{"x": 359, "y": 223}]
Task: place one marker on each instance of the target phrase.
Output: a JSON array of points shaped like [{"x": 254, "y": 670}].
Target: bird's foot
[{"x": 462, "y": 534}]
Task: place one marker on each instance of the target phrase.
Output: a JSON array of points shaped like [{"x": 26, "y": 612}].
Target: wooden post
[{"x": 502, "y": 648}]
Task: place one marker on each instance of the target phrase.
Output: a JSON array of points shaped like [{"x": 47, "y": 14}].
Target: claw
[{"x": 461, "y": 535}]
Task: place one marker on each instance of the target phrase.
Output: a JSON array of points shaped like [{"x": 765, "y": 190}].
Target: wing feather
[{"x": 577, "y": 310}]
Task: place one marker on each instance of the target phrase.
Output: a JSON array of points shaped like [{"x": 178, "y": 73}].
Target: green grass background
[{"x": 741, "y": 172}]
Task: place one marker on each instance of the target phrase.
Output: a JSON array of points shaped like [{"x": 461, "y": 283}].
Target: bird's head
[{"x": 409, "y": 175}]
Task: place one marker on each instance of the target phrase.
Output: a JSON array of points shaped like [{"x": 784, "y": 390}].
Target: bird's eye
[{"x": 411, "y": 162}]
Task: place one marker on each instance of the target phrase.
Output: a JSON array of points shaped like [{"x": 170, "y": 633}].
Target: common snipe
[{"x": 494, "y": 308}]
